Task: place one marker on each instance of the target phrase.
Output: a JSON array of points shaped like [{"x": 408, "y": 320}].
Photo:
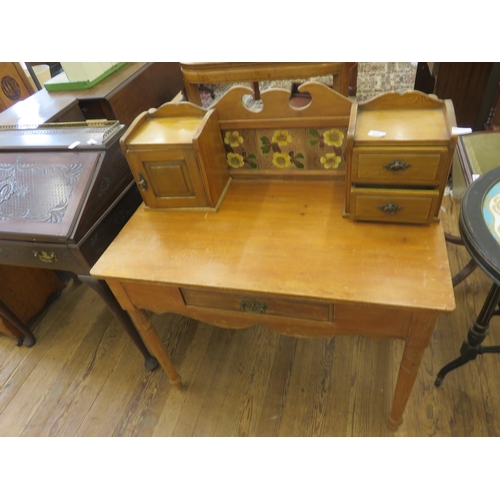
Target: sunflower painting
[
  {"x": 330, "y": 160},
  {"x": 286, "y": 149},
  {"x": 240, "y": 148},
  {"x": 326, "y": 148},
  {"x": 282, "y": 148}
]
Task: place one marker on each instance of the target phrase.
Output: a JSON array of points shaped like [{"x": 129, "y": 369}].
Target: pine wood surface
[
  {"x": 84, "y": 377},
  {"x": 253, "y": 242}
]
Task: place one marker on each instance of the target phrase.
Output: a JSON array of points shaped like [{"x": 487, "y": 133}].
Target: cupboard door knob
[
  {"x": 390, "y": 208},
  {"x": 143, "y": 184},
  {"x": 397, "y": 166}
]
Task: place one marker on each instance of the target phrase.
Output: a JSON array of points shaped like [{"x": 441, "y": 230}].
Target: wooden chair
[{"x": 205, "y": 74}]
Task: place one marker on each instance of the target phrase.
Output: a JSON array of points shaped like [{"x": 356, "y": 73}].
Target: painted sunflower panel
[
  {"x": 241, "y": 149},
  {"x": 282, "y": 149},
  {"x": 326, "y": 148}
]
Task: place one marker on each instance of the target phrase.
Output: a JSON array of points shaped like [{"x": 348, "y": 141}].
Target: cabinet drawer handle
[
  {"x": 44, "y": 256},
  {"x": 143, "y": 184},
  {"x": 390, "y": 208},
  {"x": 397, "y": 166},
  {"x": 253, "y": 306}
]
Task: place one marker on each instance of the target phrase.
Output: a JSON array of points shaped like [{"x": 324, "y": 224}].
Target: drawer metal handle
[
  {"x": 253, "y": 306},
  {"x": 44, "y": 256},
  {"x": 397, "y": 166},
  {"x": 390, "y": 208},
  {"x": 143, "y": 184}
]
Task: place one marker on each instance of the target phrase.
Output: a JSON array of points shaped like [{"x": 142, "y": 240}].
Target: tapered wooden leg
[
  {"x": 154, "y": 343},
  {"x": 420, "y": 335}
]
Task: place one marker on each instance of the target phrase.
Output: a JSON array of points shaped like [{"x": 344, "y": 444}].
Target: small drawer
[
  {"x": 399, "y": 165},
  {"x": 258, "y": 304},
  {"x": 58, "y": 257},
  {"x": 394, "y": 205}
]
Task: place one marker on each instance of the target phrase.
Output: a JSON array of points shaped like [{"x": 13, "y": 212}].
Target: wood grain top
[
  {"x": 411, "y": 116},
  {"x": 285, "y": 238},
  {"x": 204, "y": 72},
  {"x": 166, "y": 131},
  {"x": 408, "y": 125},
  {"x": 38, "y": 108}
]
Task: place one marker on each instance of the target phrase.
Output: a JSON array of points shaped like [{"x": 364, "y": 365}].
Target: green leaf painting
[{"x": 266, "y": 145}]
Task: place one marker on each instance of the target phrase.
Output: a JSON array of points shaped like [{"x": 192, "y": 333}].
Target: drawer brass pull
[
  {"x": 397, "y": 166},
  {"x": 44, "y": 256},
  {"x": 253, "y": 306},
  {"x": 390, "y": 208},
  {"x": 143, "y": 184}
]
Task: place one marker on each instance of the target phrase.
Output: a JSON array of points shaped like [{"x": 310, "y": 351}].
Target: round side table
[{"x": 479, "y": 226}]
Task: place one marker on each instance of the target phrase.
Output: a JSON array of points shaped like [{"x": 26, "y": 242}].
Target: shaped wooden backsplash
[{"x": 283, "y": 140}]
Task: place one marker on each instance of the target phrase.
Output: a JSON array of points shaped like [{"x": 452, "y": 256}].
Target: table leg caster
[
  {"x": 27, "y": 341},
  {"x": 151, "y": 363}
]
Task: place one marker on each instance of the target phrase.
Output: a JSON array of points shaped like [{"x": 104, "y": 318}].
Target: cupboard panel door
[{"x": 168, "y": 178}]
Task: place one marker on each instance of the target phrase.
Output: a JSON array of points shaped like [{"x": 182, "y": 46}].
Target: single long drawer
[
  {"x": 259, "y": 304},
  {"x": 399, "y": 165},
  {"x": 394, "y": 205}
]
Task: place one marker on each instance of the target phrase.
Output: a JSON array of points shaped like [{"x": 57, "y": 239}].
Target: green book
[{"x": 60, "y": 82}]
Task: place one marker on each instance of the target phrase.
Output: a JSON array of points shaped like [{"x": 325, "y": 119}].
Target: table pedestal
[
  {"x": 477, "y": 333},
  {"x": 480, "y": 234}
]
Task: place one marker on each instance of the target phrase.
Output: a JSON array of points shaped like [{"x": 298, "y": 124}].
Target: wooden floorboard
[{"x": 84, "y": 377}]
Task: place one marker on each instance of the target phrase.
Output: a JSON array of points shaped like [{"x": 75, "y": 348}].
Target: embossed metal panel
[{"x": 41, "y": 193}]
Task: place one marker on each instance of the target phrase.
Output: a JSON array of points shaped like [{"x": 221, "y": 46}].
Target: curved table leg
[
  {"x": 416, "y": 344},
  {"x": 27, "y": 338},
  {"x": 152, "y": 339},
  {"x": 468, "y": 269},
  {"x": 456, "y": 240},
  {"x": 103, "y": 290},
  {"x": 464, "y": 273},
  {"x": 477, "y": 333}
]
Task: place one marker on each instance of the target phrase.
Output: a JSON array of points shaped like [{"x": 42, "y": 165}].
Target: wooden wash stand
[{"x": 279, "y": 251}]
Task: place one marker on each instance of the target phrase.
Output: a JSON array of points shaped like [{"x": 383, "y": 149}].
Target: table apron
[{"x": 372, "y": 320}]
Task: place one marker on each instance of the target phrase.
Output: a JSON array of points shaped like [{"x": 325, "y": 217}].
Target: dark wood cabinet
[
  {"x": 472, "y": 86},
  {"x": 66, "y": 191},
  {"x": 134, "y": 88}
]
